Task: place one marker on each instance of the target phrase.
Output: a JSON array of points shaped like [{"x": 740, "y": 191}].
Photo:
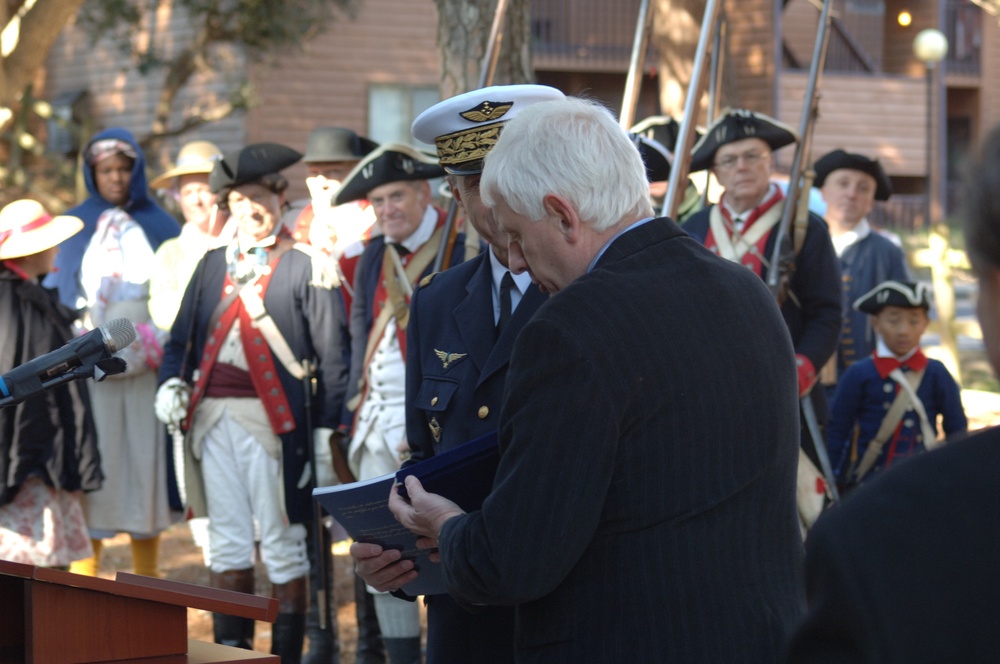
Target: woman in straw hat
[{"x": 48, "y": 446}]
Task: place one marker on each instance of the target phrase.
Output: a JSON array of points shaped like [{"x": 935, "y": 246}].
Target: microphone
[{"x": 84, "y": 357}]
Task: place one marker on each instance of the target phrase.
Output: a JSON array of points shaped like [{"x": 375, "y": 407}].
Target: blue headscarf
[{"x": 157, "y": 224}]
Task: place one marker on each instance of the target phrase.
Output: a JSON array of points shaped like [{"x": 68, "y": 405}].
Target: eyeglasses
[{"x": 749, "y": 158}]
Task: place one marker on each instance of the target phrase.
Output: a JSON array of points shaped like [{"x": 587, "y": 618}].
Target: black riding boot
[
  {"x": 370, "y": 649},
  {"x": 403, "y": 650},
  {"x": 233, "y": 630},
  {"x": 288, "y": 632}
]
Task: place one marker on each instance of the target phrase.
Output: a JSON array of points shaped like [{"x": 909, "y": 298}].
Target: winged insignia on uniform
[
  {"x": 447, "y": 358},
  {"x": 487, "y": 111}
]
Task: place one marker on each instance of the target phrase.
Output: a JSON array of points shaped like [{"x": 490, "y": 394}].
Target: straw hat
[
  {"x": 194, "y": 157},
  {"x": 26, "y": 229}
]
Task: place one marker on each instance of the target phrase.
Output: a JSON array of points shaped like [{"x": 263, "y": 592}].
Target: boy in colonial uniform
[{"x": 887, "y": 405}]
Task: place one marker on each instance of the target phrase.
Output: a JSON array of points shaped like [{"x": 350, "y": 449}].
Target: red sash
[{"x": 262, "y": 367}]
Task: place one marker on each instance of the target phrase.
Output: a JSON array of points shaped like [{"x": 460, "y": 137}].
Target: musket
[
  {"x": 715, "y": 83},
  {"x": 486, "y": 73},
  {"x": 320, "y": 540},
  {"x": 685, "y": 135},
  {"x": 800, "y": 176},
  {"x": 633, "y": 82},
  {"x": 796, "y": 207}
]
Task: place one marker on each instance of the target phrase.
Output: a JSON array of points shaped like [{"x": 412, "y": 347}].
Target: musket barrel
[
  {"x": 806, "y": 124},
  {"x": 486, "y": 72},
  {"x": 489, "y": 66},
  {"x": 682, "y": 150},
  {"x": 637, "y": 61}
]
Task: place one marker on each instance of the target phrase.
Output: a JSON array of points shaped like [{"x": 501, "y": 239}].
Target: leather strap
[
  {"x": 891, "y": 420},
  {"x": 254, "y": 306},
  {"x": 397, "y": 304},
  {"x": 734, "y": 251}
]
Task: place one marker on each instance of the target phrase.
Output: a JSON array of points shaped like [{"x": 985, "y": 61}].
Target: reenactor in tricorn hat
[
  {"x": 742, "y": 226},
  {"x": 472, "y": 312},
  {"x": 394, "y": 179},
  {"x": 851, "y": 183},
  {"x": 662, "y": 130},
  {"x": 261, "y": 329}
]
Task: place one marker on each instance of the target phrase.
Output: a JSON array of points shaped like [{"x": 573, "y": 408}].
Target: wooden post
[{"x": 942, "y": 260}]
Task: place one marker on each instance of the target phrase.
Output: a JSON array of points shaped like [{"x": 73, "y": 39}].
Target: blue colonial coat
[
  {"x": 862, "y": 400},
  {"x": 312, "y": 320}
]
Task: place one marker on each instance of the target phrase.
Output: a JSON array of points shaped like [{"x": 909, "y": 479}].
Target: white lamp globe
[{"x": 930, "y": 46}]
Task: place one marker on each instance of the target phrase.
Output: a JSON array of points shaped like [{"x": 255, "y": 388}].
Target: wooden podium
[{"x": 48, "y": 616}]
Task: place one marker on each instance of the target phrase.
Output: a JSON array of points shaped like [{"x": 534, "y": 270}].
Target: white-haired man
[{"x": 621, "y": 491}]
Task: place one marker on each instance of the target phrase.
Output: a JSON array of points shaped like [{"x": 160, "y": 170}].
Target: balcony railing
[
  {"x": 593, "y": 35},
  {"x": 964, "y": 29}
]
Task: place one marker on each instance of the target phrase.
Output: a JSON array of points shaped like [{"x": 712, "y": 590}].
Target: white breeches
[{"x": 243, "y": 483}]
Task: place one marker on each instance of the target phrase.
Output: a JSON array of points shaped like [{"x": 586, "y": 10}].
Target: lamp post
[{"x": 930, "y": 46}]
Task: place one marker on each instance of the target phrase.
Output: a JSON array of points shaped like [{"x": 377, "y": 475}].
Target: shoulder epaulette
[{"x": 427, "y": 280}]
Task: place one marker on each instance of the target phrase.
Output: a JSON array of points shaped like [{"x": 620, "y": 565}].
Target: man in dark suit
[
  {"x": 643, "y": 509},
  {"x": 904, "y": 569}
]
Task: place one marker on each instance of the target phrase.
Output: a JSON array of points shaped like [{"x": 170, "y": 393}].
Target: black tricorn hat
[
  {"x": 249, "y": 164},
  {"x": 736, "y": 125},
  {"x": 838, "y": 159},
  {"x": 391, "y": 162},
  {"x": 327, "y": 144},
  {"x": 655, "y": 156},
  {"x": 662, "y": 128},
  {"x": 906, "y": 294}
]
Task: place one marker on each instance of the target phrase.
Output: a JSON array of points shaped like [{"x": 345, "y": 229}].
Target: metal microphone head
[{"x": 118, "y": 334}]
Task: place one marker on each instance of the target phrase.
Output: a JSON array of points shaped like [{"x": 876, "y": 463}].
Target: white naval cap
[{"x": 465, "y": 127}]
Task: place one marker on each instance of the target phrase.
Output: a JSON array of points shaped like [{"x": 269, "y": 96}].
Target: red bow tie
[{"x": 885, "y": 365}]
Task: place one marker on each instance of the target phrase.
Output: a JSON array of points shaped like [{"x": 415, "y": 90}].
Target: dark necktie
[
  {"x": 400, "y": 249},
  {"x": 505, "y": 285}
]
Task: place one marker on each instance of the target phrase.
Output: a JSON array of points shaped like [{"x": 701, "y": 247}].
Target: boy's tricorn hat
[
  {"x": 250, "y": 164},
  {"x": 905, "y": 294},
  {"x": 838, "y": 159},
  {"x": 27, "y": 229},
  {"x": 392, "y": 162},
  {"x": 194, "y": 157},
  {"x": 464, "y": 128},
  {"x": 736, "y": 125},
  {"x": 655, "y": 156},
  {"x": 329, "y": 144}
]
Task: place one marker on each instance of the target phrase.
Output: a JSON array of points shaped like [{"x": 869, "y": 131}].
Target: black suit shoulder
[{"x": 903, "y": 569}]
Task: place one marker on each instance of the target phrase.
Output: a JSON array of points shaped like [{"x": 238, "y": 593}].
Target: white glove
[
  {"x": 172, "y": 401},
  {"x": 324, "y": 458}
]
